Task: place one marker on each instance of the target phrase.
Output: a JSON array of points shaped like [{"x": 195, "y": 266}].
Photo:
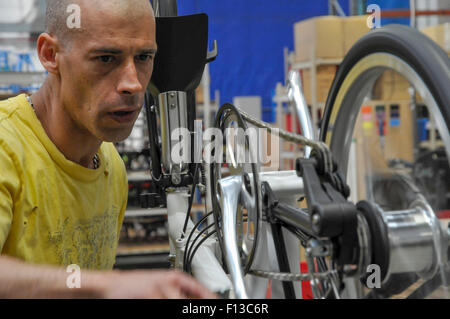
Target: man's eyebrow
[
  {"x": 107, "y": 50},
  {"x": 119, "y": 51}
]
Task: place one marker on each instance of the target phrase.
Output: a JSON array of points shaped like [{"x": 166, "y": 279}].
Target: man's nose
[{"x": 129, "y": 81}]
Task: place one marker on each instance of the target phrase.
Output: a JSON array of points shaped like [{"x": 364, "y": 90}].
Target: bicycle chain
[
  {"x": 322, "y": 148},
  {"x": 285, "y": 276}
]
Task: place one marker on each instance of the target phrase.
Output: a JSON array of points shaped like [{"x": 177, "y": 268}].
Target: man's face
[{"x": 105, "y": 70}]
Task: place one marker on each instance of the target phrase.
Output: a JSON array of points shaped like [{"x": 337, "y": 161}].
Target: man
[{"x": 63, "y": 186}]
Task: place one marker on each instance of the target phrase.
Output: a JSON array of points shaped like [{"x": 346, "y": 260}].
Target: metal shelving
[{"x": 22, "y": 78}]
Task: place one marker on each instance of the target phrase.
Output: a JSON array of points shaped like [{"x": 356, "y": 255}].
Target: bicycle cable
[
  {"x": 190, "y": 235},
  {"x": 188, "y": 249},
  {"x": 191, "y": 200}
]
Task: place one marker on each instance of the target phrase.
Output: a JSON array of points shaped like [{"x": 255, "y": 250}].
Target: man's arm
[
  {"x": 21, "y": 280},
  {"x": 10, "y": 187}
]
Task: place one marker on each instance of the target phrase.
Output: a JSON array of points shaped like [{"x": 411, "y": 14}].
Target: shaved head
[
  {"x": 99, "y": 55},
  {"x": 57, "y": 14}
]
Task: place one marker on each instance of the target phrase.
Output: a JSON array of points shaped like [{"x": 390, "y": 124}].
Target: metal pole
[
  {"x": 412, "y": 10},
  {"x": 165, "y": 8}
]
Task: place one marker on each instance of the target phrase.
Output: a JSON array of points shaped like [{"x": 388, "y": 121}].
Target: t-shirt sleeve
[
  {"x": 124, "y": 201},
  {"x": 9, "y": 190}
]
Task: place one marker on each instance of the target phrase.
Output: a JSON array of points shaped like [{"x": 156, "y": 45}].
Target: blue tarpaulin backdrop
[{"x": 251, "y": 35}]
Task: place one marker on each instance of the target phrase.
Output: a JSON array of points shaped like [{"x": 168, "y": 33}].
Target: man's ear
[{"x": 47, "y": 48}]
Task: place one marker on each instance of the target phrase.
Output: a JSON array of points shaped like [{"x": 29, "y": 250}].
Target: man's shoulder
[
  {"x": 10, "y": 106},
  {"x": 9, "y": 132},
  {"x": 11, "y": 121}
]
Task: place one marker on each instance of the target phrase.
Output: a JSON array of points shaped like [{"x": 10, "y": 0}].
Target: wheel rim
[{"x": 355, "y": 88}]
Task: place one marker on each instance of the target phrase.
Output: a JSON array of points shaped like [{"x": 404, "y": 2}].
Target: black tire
[{"x": 420, "y": 52}]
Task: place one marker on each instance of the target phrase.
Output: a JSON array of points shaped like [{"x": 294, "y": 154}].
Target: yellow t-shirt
[{"x": 52, "y": 210}]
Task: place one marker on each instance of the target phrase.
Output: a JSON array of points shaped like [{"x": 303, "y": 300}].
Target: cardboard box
[
  {"x": 391, "y": 86},
  {"x": 320, "y": 37},
  {"x": 327, "y": 37},
  {"x": 439, "y": 34},
  {"x": 324, "y": 78},
  {"x": 354, "y": 28},
  {"x": 199, "y": 95}
]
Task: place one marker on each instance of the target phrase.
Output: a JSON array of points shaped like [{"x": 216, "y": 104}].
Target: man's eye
[
  {"x": 106, "y": 58},
  {"x": 144, "y": 57}
]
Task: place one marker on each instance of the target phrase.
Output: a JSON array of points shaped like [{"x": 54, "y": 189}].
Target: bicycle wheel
[
  {"x": 383, "y": 136},
  {"x": 236, "y": 194}
]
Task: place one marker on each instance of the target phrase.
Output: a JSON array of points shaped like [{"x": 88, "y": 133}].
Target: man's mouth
[
  {"x": 122, "y": 113},
  {"x": 123, "y": 116}
]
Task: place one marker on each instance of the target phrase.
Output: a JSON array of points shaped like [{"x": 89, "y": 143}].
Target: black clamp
[{"x": 332, "y": 216}]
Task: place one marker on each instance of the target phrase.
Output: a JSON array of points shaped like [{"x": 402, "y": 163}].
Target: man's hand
[
  {"x": 23, "y": 280},
  {"x": 158, "y": 284}
]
